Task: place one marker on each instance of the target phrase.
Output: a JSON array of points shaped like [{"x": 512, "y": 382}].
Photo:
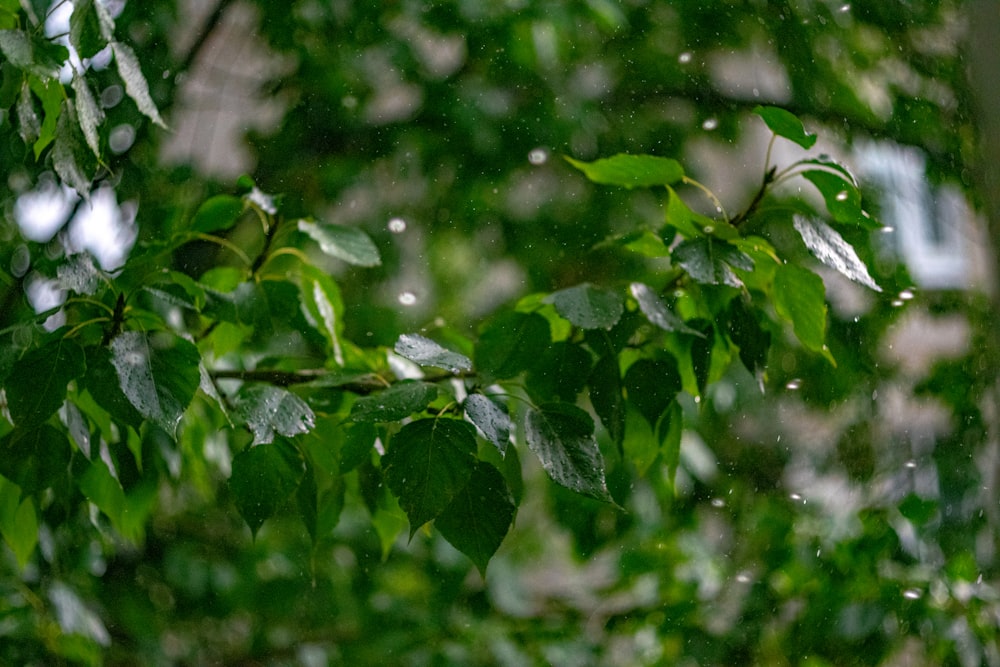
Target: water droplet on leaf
[{"x": 538, "y": 156}]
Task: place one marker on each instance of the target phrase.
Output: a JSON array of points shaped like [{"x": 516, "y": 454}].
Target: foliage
[{"x": 226, "y": 368}]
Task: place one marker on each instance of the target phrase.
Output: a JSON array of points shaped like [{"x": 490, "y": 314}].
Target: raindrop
[
  {"x": 710, "y": 124},
  {"x": 841, "y": 196},
  {"x": 743, "y": 578},
  {"x": 911, "y": 464},
  {"x": 896, "y": 303},
  {"x": 845, "y": 8},
  {"x": 684, "y": 58},
  {"x": 407, "y": 298},
  {"x": 396, "y": 225},
  {"x": 795, "y": 496},
  {"x": 121, "y": 138},
  {"x": 912, "y": 593},
  {"x": 888, "y": 230},
  {"x": 708, "y": 229},
  {"x": 538, "y": 156},
  {"x": 906, "y": 295},
  {"x": 793, "y": 384},
  {"x": 718, "y": 502},
  {"x": 20, "y": 261}
]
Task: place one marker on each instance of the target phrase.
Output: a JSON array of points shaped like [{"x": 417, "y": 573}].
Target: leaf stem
[
  {"x": 708, "y": 193},
  {"x": 228, "y": 245}
]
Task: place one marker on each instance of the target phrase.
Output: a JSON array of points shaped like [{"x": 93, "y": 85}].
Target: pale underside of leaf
[
  {"x": 88, "y": 112},
  {"x": 426, "y": 352},
  {"x": 830, "y": 248},
  {"x": 135, "y": 83}
]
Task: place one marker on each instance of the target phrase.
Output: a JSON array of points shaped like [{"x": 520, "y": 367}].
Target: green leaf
[
  {"x": 670, "y": 428},
  {"x": 52, "y": 95},
  {"x": 268, "y": 410},
  {"x": 491, "y": 418},
  {"x": 479, "y": 516},
  {"x": 800, "y": 298},
  {"x": 217, "y": 213},
  {"x": 245, "y": 305},
  {"x": 135, "y": 83},
  {"x": 701, "y": 356},
  {"x": 428, "y": 463},
  {"x": 842, "y": 197},
  {"x": 18, "y": 522},
  {"x": 511, "y": 343},
  {"x": 631, "y": 171},
  {"x": 347, "y": 243},
  {"x": 359, "y": 440},
  {"x": 35, "y": 457},
  {"x": 754, "y": 342},
  {"x": 36, "y": 385},
  {"x": 918, "y": 510},
  {"x": 159, "y": 374},
  {"x": 102, "y": 489},
  {"x": 102, "y": 383},
  {"x": 652, "y": 385},
  {"x": 397, "y": 402},
  {"x": 263, "y": 479},
  {"x": 830, "y": 248},
  {"x": 320, "y": 507},
  {"x": 426, "y": 352},
  {"x": 560, "y": 373},
  {"x": 710, "y": 261},
  {"x": 656, "y": 311},
  {"x": 323, "y": 308},
  {"x": 88, "y": 112},
  {"x": 85, "y": 29},
  {"x": 66, "y": 152},
  {"x": 786, "y": 124},
  {"x": 32, "y": 53},
  {"x": 588, "y": 307},
  {"x": 562, "y": 437},
  {"x": 606, "y": 396},
  {"x": 683, "y": 219},
  {"x": 29, "y": 126}
]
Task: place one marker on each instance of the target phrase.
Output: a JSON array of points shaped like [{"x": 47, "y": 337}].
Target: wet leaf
[
  {"x": 158, "y": 373},
  {"x": 36, "y": 385},
  {"x": 323, "y": 308},
  {"x": 588, "y": 307},
  {"x": 562, "y": 437},
  {"x": 426, "y": 352},
  {"x": 217, "y": 213},
  {"x": 428, "y": 463},
  {"x": 511, "y": 343},
  {"x": 347, "y": 243},
  {"x": 135, "y": 83},
  {"x": 490, "y": 418},
  {"x": 66, "y": 152},
  {"x": 786, "y": 124},
  {"x": 269, "y": 410},
  {"x": 631, "y": 171},
  {"x": 711, "y": 262},
  {"x": 85, "y": 29},
  {"x": 398, "y": 401},
  {"x": 35, "y": 457},
  {"x": 18, "y": 522},
  {"x": 606, "y": 396},
  {"x": 29, "y": 125},
  {"x": 842, "y": 197},
  {"x": 830, "y": 248},
  {"x": 561, "y": 373},
  {"x": 656, "y": 311},
  {"x": 800, "y": 298},
  {"x": 263, "y": 479},
  {"x": 33, "y": 53},
  {"x": 479, "y": 516},
  {"x": 754, "y": 342},
  {"x": 651, "y": 385},
  {"x": 89, "y": 113}
]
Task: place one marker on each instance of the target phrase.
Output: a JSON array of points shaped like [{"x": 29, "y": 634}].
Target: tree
[{"x": 237, "y": 365}]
